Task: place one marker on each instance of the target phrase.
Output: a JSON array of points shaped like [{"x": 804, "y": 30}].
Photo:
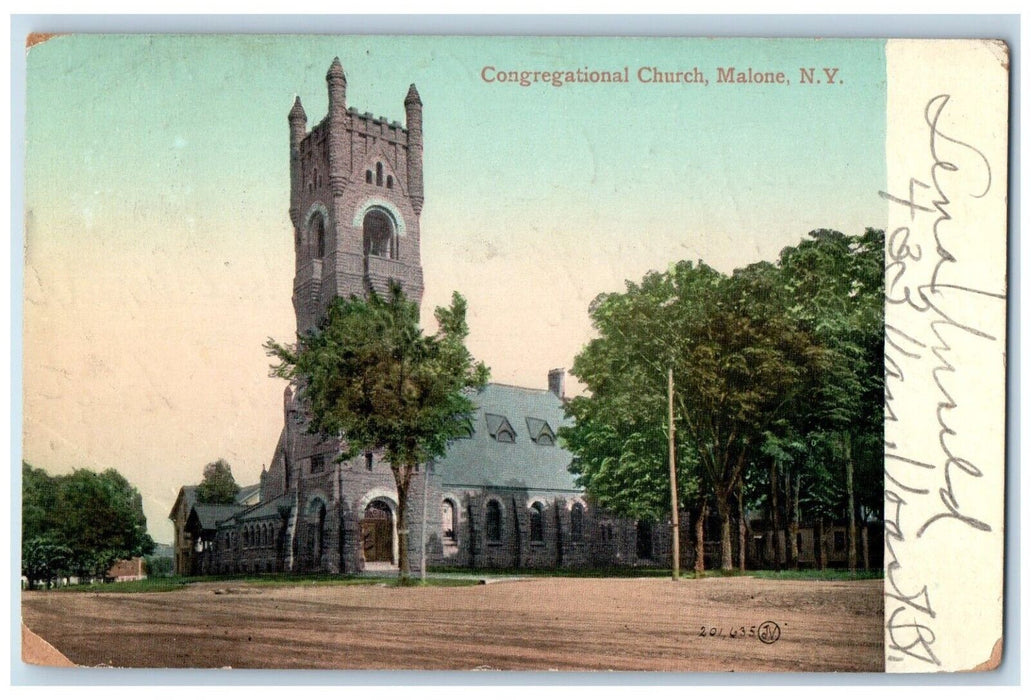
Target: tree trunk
[
  {"x": 699, "y": 540},
  {"x": 778, "y": 549},
  {"x": 742, "y": 527},
  {"x": 726, "y": 550},
  {"x": 819, "y": 547},
  {"x": 403, "y": 573},
  {"x": 795, "y": 550},
  {"x": 865, "y": 536},
  {"x": 850, "y": 489}
]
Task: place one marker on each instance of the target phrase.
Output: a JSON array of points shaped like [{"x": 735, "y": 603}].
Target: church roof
[
  {"x": 264, "y": 509},
  {"x": 188, "y": 495},
  {"x": 482, "y": 461},
  {"x": 208, "y": 515},
  {"x": 247, "y": 493}
]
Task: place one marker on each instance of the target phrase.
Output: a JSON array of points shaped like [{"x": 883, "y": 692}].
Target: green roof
[
  {"x": 482, "y": 461},
  {"x": 208, "y": 516},
  {"x": 265, "y": 509}
]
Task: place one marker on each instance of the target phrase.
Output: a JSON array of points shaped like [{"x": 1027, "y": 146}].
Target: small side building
[
  {"x": 188, "y": 541},
  {"x": 127, "y": 570}
]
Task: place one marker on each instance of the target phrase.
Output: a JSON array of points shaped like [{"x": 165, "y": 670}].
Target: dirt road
[{"x": 555, "y": 623}]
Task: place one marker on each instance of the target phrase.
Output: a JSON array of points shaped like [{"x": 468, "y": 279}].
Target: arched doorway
[{"x": 377, "y": 529}]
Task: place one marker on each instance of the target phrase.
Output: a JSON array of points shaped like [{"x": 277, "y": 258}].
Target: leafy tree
[
  {"x": 836, "y": 283},
  {"x": 620, "y": 433},
  {"x": 103, "y": 521},
  {"x": 779, "y": 389},
  {"x": 218, "y": 485},
  {"x": 736, "y": 359},
  {"x": 43, "y": 559},
  {"x": 80, "y": 523},
  {"x": 39, "y": 502},
  {"x": 370, "y": 375},
  {"x": 159, "y": 566}
]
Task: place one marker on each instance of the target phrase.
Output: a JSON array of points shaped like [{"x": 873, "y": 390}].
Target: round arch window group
[
  {"x": 379, "y": 234},
  {"x": 494, "y": 524}
]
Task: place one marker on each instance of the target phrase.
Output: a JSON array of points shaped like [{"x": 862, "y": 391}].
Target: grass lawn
[
  {"x": 818, "y": 575},
  {"x": 469, "y": 577},
  {"x": 174, "y": 583},
  {"x": 631, "y": 572}
]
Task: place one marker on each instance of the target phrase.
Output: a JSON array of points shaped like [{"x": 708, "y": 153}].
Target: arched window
[
  {"x": 368, "y": 177},
  {"x": 390, "y": 182},
  {"x": 576, "y": 523},
  {"x": 493, "y": 521},
  {"x": 447, "y": 521},
  {"x": 536, "y": 523},
  {"x": 379, "y": 236},
  {"x": 318, "y": 235},
  {"x": 379, "y": 174},
  {"x": 505, "y": 435}
]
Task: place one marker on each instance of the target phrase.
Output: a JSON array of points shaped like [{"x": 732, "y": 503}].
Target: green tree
[
  {"x": 218, "y": 485},
  {"x": 735, "y": 357},
  {"x": 43, "y": 559},
  {"x": 159, "y": 566},
  {"x": 620, "y": 434},
  {"x": 39, "y": 502},
  {"x": 102, "y": 521},
  {"x": 370, "y": 375},
  {"x": 79, "y": 523},
  {"x": 836, "y": 283}
]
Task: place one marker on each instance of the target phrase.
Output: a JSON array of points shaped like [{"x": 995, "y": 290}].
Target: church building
[{"x": 503, "y": 496}]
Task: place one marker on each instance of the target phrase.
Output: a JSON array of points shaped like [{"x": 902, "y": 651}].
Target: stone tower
[{"x": 355, "y": 200}]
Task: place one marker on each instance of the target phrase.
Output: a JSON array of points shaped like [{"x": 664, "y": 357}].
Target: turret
[
  {"x": 413, "y": 119},
  {"x": 298, "y": 127},
  {"x": 336, "y": 82}
]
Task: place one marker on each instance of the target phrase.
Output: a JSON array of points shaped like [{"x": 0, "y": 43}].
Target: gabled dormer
[
  {"x": 499, "y": 428},
  {"x": 540, "y": 432}
]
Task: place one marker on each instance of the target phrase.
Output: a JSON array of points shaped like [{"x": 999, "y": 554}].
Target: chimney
[{"x": 557, "y": 382}]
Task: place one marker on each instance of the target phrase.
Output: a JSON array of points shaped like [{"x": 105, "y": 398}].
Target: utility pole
[{"x": 673, "y": 484}]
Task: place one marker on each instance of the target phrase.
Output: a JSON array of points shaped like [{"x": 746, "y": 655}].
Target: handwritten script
[{"x": 930, "y": 337}]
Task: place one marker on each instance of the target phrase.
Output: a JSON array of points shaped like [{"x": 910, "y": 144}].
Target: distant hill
[{"x": 162, "y": 550}]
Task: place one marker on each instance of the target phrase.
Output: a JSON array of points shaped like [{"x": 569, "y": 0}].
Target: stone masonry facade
[{"x": 501, "y": 499}]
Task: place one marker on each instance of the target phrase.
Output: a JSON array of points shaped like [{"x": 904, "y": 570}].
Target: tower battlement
[{"x": 355, "y": 200}]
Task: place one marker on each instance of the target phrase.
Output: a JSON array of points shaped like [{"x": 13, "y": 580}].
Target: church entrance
[{"x": 378, "y": 533}]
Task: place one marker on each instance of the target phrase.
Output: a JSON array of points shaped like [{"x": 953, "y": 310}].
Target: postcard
[{"x": 514, "y": 353}]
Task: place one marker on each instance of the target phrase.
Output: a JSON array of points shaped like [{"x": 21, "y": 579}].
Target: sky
[{"x": 158, "y": 247}]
